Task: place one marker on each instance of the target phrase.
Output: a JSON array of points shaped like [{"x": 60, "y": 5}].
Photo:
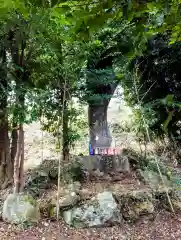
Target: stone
[
  {"x": 69, "y": 200},
  {"x": 19, "y": 208},
  {"x": 175, "y": 198},
  {"x": 98, "y": 173},
  {"x": 153, "y": 179},
  {"x": 136, "y": 204},
  {"x": 121, "y": 164},
  {"x": 100, "y": 211},
  {"x": 74, "y": 187},
  {"x": 90, "y": 163},
  {"x": 85, "y": 194}
]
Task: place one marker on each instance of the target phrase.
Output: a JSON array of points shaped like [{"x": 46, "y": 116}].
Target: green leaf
[
  {"x": 167, "y": 121},
  {"x": 54, "y": 2},
  {"x": 169, "y": 99}
]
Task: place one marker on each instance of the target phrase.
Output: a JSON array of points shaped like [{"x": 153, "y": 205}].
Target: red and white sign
[{"x": 107, "y": 151}]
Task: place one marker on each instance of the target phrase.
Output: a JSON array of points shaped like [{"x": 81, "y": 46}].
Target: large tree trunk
[
  {"x": 101, "y": 83},
  {"x": 100, "y": 136},
  {"x": 6, "y": 166}
]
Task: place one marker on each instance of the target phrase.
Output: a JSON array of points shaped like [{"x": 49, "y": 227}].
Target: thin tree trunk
[
  {"x": 14, "y": 140},
  {"x": 65, "y": 133},
  {"x": 17, "y": 52},
  {"x": 16, "y": 165},
  {"x": 21, "y": 170},
  {"x": 19, "y": 161}
]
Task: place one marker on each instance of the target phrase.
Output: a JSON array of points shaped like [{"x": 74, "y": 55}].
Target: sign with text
[{"x": 106, "y": 151}]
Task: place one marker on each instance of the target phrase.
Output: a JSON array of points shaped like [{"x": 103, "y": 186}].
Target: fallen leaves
[{"x": 163, "y": 227}]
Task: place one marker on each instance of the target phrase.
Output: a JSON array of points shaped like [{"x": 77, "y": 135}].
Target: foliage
[
  {"x": 159, "y": 81},
  {"x": 87, "y": 44}
]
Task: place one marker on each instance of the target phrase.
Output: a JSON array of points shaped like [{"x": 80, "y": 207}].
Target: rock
[
  {"x": 121, "y": 164},
  {"x": 85, "y": 194},
  {"x": 69, "y": 200},
  {"x": 176, "y": 204},
  {"x": 175, "y": 198},
  {"x": 107, "y": 178},
  {"x": 90, "y": 163},
  {"x": 98, "y": 173},
  {"x": 20, "y": 208},
  {"x": 74, "y": 187},
  {"x": 153, "y": 179},
  {"x": 36, "y": 183},
  {"x": 101, "y": 211},
  {"x": 136, "y": 204}
]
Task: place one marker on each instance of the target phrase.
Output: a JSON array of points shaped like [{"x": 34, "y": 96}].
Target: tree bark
[
  {"x": 100, "y": 136},
  {"x": 14, "y": 140},
  {"x": 6, "y": 167},
  {"x": 101, "y": 83},
  {"x": 19, "y": 162},
  {"x": 65, "y": 138},
  {"x": 21, "y": 170}
]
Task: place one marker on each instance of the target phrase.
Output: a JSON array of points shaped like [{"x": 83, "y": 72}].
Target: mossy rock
[
  {"x": 100, "y": 211},
  {"x": 174, "y": 196},
  {"x": 20, "y": 208},
  {"x": 153, "y": 179},
  {"x": 136, "y": 204}
]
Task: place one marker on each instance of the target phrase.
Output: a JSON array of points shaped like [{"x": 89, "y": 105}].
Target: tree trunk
[
  {"x": 65, "y": 139},
  {"x": 14, "y": 140},
  {"x": 18, "y": 141},
  {"x": 100, "y": 136},
  {"x": 19, "y": 162},
  {"x": 6, "y": 166},
  {"x": 17, "y": 153},
  {"x": 101, "y": 86},
  {"x": 21, "y": 170}
]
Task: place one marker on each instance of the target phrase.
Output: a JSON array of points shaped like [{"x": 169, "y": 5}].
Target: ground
[{"x": 164, "y": 227}]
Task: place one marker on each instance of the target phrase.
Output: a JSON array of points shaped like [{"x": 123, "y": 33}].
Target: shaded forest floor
[{"x": 164, "y": 227}]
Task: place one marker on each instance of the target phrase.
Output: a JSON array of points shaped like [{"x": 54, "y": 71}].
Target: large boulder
[
  {"x": 136, "y": 204},
  {"x": 19, "y": 208},
  {"x": 153, "y": 179},
  {"x": 100, "y": 211}
]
